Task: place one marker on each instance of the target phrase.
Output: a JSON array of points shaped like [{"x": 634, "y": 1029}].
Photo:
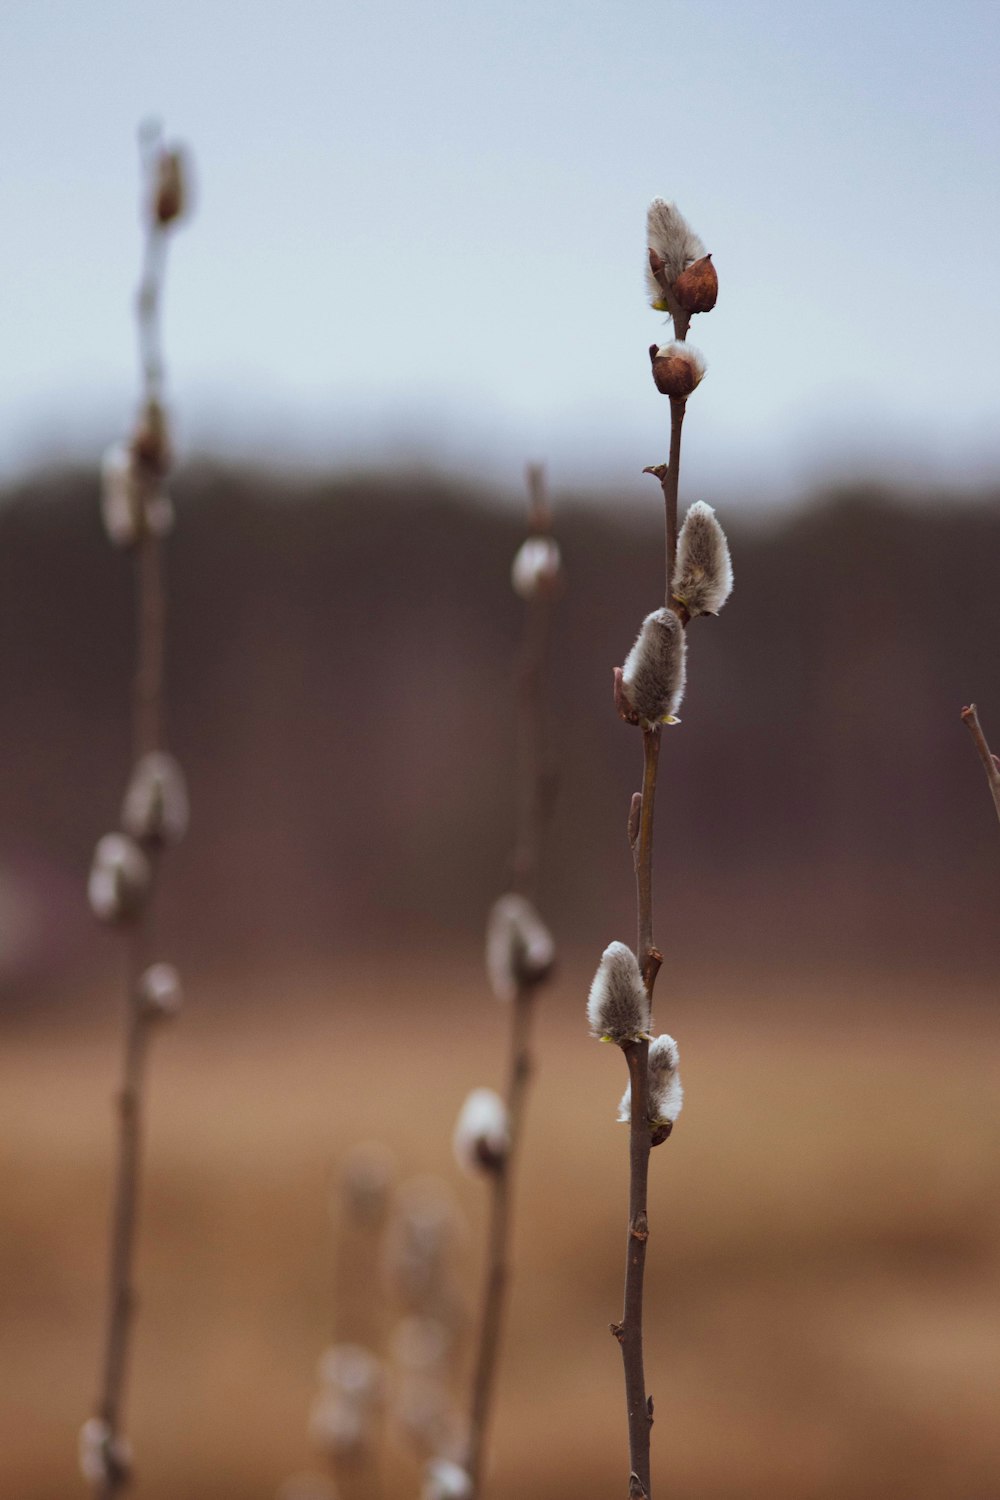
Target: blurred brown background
[{"x": 824, "y": 1312}]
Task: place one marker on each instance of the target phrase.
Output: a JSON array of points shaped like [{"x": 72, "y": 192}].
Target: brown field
[{"x": 824, "y": 1271}]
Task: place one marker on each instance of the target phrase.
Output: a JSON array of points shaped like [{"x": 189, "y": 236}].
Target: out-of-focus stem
[
  {"x": 532, "y": 807},
  {"x": 147, "y": 736},
  {"x": 498, "y": 1240}
]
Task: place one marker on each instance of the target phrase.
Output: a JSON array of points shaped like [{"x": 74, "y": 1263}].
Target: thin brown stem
[
  {"x": 121, "y": 1294},
  {"x": 534, "y": 799},
  {"x": 629, "y": 1330},
  {"x": 498, "y": 1239},
  {"x": 533, "y": 779},
  {"x": 151, "y": 608},
  {"x": 991, "y": 764},
  {"x": 147, "y": 736},
  {"x": 641, "y": 822},
  {"x": 671, "y": 483}
]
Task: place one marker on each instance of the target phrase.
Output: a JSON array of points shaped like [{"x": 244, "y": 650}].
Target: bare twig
[
  {"x": 107, "y": 1467},
  {"x": 991, "y": 764},
  {"x": 535, "y": 786}
]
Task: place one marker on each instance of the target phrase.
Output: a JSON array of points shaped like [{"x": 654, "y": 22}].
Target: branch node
[
  {"x": 617, "y": 1331},
  {"x": 636, "y": 1489},
  {"x": 639, "y": 1227}
]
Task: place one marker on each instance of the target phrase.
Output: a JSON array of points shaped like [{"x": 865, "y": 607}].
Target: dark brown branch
[{"x": 991, "y": 764}]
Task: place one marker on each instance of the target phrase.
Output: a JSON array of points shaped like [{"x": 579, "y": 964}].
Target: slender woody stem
[
  {"x": 639, "y": 1406},
  {"x": 991, "y": 764},
  {"x": 498, "y": 1243},
  {"x": 534, "y": 789},
  {"x": 121, "y": 1294},
  {"x": 147, "y": 735},
  {"x": 670, "y": 483}
]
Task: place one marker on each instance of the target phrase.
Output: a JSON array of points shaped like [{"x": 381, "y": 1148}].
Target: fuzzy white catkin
[
  {"x": 420, "y": 1245},
  {"x": 481, "y": 1139},
  {"x": 160, "y": 991},
  {"x": 119, "y": 878},
  {"x": 666, "y": 1096},
  {"x": 703, "y": 573},
  {"x": 520, "y": 950},
  {"x": 340, "y": 1427},
  {"x": 354, "y": 1371},
  {"x": 675, "y": 242},
  {"x": 444, "y": 1480},
  {"x": 121, "y": 497},
  {"x": 101, "y": 1457},
  {"x": 618, "y": 1005},
  {"x": 132, "y": 501},
  {"x": 537, "y": 568},
  {"x": 654, "y": 670},
  {"x": 156, "y": 800}
]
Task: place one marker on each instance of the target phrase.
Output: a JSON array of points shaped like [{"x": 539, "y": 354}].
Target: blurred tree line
[{"x": 340, "y": 684}]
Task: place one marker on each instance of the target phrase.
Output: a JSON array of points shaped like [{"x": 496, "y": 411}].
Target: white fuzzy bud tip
[
  {"x": 520, "y": 951},
  {"x": 444, "y": 1480},
  {"x": 536, "y": 572},
  {"x": 156, "y": 802},
  {"x": 670, "y": 235},
  {"x": 481, "y": 1140},
  {"x": 104, "y": 1460},
  {"x": 655, "y": 668},
  {"x": 344, "y": 1416},
  {"x": 160, "y": 992},
  {"x": 341, "y": 1428},
  {"x": 133, "y": 500},
  {"x": 121, "y": 497},
  {"x": 618, "y": 1006},
  {"x": 119, "y": 879},
  {"x": 354, "y": 1371},
  {"x": 703, "y": 573},
  {"x": 666, "y": 1096}
]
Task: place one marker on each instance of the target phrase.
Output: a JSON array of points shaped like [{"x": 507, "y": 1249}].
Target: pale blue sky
[{"x": 421, "y": 229}]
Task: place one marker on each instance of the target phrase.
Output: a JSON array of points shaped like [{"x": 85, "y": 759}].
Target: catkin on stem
[{"x": 618, "y": 1005}]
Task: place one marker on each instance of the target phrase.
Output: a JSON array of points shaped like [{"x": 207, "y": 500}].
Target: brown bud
[
  {"x": 677, "y": 369},
  {"x": 151, "y": 439},
  {"x": 697, "y": 288},
  {"x": 169, "y": 195}
]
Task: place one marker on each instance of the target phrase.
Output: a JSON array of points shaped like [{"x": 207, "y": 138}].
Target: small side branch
[{"x": 991, "y": 764}]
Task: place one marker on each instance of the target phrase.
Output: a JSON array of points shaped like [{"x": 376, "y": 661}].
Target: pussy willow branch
[
  {"x": 147, "y": 729},
  {"x": 534, "y": 789},
  {"x": 970, "y": 718},
  {"x": 629, "y": 1331}
]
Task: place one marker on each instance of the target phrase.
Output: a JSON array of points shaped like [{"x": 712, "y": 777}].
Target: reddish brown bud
[
  {"x": 677, "y": 369},
  {"x": 169, "y": 196},
  {"x": 151, "y": 440},
  {"x": 697, "y": 288}
]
